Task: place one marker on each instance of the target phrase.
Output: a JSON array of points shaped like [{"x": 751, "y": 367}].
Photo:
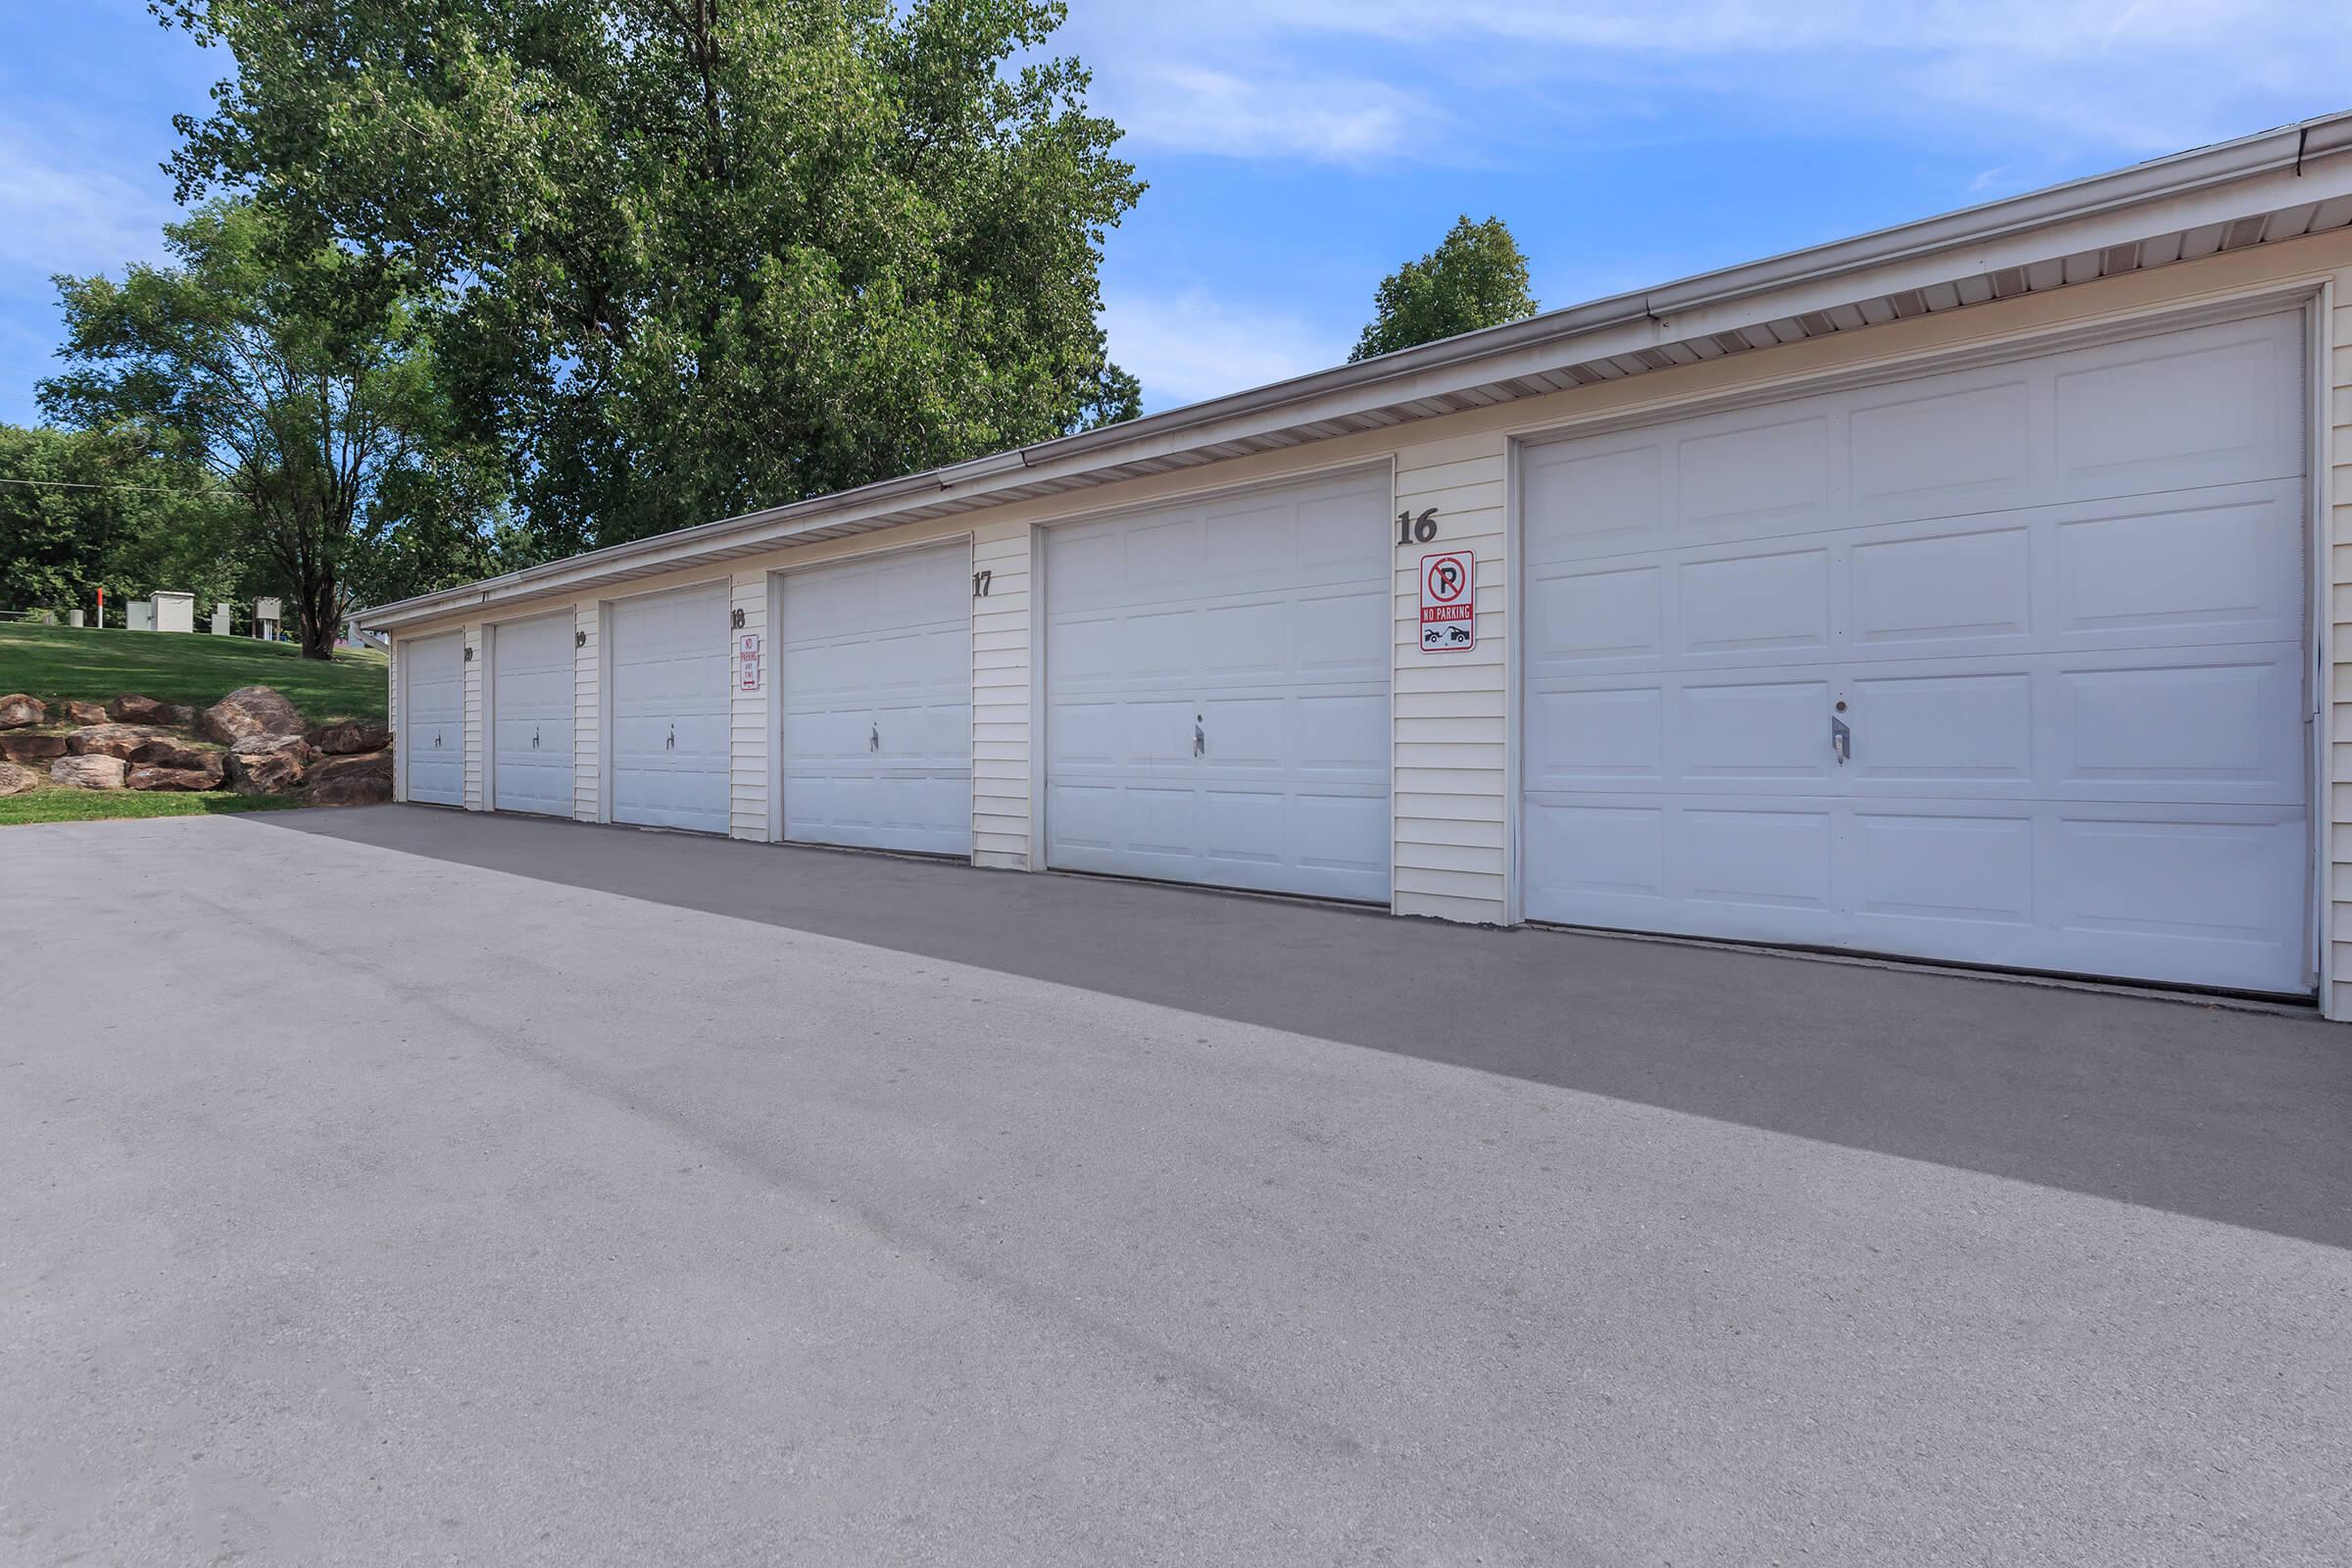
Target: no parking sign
[{"x": 1449, "y": 595}]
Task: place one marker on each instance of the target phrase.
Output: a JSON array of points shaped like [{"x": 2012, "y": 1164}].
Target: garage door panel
[
  {"x": 669, "y": 705},
  {"x": 531, "y": 715},
  {"x": 1753, "y": 469},
  {"x": 1941, "y": 589},
  {"x": 1342, "y": 734},
  {"x": 1945, "y": 728},
  {"x": 1926, "y": 867},
  {"x": 1776, "y": 602},
  {"x": 1955, "y": 446},
  {"x": 2076, "y": 719},
  {"x": 433, "y": 718},
  {"x": 2212, "y": 565},
  {"x": 875, "y": 717},
  {"x": 2194, "y": 408},
  {"x": 2159, "y": 728},
  {"x": 1260, "y": 620}
]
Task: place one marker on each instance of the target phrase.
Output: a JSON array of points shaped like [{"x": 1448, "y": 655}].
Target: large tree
[
  {"x": 696, "y": 257},
  {"x": 84, "y": 510},
  {"x": 295, "y": 384},
  {"x": 1476, "y": 277}
]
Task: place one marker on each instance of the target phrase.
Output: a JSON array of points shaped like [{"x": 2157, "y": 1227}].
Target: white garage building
[{"x": 1964, "y": 591}]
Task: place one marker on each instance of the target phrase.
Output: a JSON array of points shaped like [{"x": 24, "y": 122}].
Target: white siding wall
[
  {"x": 399, "y": 741},
  {"x": 1452, "y": 776},
  {"x": 1001, "y": 675},
  {"x": 587, "y": 728},
  {"x": 1450, "y": 784},
  {"x": 748, "y": 717},
  {"x": 2335, "y": 498},
  {"x": 475, "y": 797}
]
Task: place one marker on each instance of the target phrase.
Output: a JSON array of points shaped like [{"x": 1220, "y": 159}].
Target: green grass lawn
[
  {"x": 54, "y": 803},
  {"x": 55, "y": 663}
]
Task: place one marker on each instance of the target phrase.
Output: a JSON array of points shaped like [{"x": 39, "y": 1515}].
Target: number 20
[{"x": 1412, "y": 530}]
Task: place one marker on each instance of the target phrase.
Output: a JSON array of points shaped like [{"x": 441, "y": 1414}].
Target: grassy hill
[{"x": 55, "y": 663}]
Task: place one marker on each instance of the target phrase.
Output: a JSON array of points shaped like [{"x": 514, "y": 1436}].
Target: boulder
[
  {"x": 363, "y": 778},
  {"x": 85, "y": 713},
  {"x": 18, "y": 711},
  {"x": 350, "y": 737},
  {"x": 89, "y": 772},
  {"x": 129, "y": 708},
  {"x": 112, "y": 740},
  {"x": 173, "y": 758},
  {"x": 268, "y": 764},
  {"x": 187, "y": 779},
  {"x": 26, "y": 746},
  {"x": 15, "y": 780},
  {"x": 250, "y": 711}
]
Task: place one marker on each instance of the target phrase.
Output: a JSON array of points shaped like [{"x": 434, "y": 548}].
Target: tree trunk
[{"x": 315, "y": 621}]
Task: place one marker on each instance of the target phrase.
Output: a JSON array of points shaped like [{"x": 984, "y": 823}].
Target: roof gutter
[{"x": 2292, "y": 148}]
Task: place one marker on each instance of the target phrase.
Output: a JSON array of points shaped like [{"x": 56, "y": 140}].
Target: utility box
[
  {"x": 76, "y": 618},
  {"x": 264, "y": 620},
  {"x": 219, "y": 620},
  {"x": 175, "y": 612},
  {"x": 139, "y": 615}
]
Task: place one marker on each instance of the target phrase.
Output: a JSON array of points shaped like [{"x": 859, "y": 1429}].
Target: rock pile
[{"x": 262, "y": 747}]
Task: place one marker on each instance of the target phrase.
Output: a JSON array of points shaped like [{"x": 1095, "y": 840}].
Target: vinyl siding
[
  {"x": 474, "y": 800},
  {"x": 1447, "y": 730},
  {"x": 2335, "y": 501},
  {"x": 747, "y": 719},
  {"x": 400, "y": 743},
  {"x": 1000, "y": 668},
  {"x": 587, "y": 729}
]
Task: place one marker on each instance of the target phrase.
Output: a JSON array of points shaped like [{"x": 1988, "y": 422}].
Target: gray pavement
[{"x": 397, "y": 1185}]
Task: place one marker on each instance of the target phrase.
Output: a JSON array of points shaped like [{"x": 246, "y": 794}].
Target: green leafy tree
[
  {"x": 80, "y": 510},
  {"x": 294, "y": 382},
  {"x": 1476, "y": 277},
  {"x": 691, "y": 258}
]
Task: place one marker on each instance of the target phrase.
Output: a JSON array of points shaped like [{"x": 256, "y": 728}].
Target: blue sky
[{"x": 1299, "y": 149}]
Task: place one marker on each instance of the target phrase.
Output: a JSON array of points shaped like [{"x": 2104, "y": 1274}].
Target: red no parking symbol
[{"x": 1449, "y": 612}]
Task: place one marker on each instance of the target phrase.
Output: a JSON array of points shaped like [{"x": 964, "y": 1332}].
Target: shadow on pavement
[{"x": 2244, "y": 1118}]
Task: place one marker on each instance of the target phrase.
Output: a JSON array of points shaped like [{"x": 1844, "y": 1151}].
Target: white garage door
[
  {"x": 669, "y": 709},
  {"x": 530, "y": 714},
  {"x": 2003, "y": 666},
  {"x": 875, "y": 661},
  {"x": 432, "y": 717},
  {"x": 1217, "y": 692}
]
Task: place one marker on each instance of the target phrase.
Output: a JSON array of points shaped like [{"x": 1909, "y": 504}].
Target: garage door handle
[
  {"x": 437, "y": 740},
  {"x": 873, "y": 742},
  {"x": 534, "y": 737},
  {"x": 671, "y": 744},
  {"x": 1841, "y": 740},
  {"x": 1199, "y": 740}
]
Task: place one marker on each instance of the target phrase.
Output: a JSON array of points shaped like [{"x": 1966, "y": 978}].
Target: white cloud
[
  {"x": 1310, "y": 79},
  {"x": 1331, "y": 119},
  {"x": 1188, "y": 346}
]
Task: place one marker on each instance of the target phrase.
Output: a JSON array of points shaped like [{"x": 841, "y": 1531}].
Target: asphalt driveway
[{"x": 398, "y": 1186}]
